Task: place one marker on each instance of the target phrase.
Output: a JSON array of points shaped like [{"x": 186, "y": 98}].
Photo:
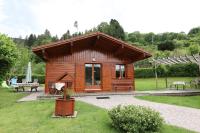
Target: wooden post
[
  {"x": 166, "y": 82},
  {"x": 156, "y": 76}
]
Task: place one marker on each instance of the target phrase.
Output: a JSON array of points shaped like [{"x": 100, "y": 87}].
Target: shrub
[
  {"x": 8, "y": 55},
  {"x": 194, "y": 49},
  {"x": 166, "y": 45},
  {"x": 39, "y": 68},
  {"x": 135, "y": 119},
  {"x": 176, "y": 70},
  {"x": 144, "y": 72},
  {"x": 181, "y": 70}
]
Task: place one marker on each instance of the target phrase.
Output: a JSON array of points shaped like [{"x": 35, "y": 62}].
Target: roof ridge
[
  {"x": 66, "y": 41},
  {"x": 77, "y": 38}
]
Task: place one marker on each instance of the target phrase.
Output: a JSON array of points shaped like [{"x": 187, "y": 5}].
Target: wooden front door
[{"x": 93, "y": 76}]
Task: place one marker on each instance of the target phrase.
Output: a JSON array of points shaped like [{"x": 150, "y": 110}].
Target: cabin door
[{"x": 93, "y": 76}]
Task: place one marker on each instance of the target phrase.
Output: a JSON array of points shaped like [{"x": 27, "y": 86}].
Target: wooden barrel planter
[{"x": 64, "y": 107}]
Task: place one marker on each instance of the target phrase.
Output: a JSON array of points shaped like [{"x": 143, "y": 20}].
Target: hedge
[
  {"x": 176, "y": 70},
  {"x": 41, "y": 78}
]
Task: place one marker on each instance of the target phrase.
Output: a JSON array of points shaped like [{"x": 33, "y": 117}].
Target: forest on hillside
[{"x": 159, "y": 45}]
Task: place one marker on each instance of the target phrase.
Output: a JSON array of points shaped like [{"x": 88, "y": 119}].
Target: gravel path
[{"x": 185, "y": 117}]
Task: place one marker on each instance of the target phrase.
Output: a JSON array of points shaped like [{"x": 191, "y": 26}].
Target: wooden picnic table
[{"x": 22, "y": 85}]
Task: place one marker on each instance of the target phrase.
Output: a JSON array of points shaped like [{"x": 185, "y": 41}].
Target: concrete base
[
  {"x": 167, "y": 92},
  {"x": 72, "y": 116}
]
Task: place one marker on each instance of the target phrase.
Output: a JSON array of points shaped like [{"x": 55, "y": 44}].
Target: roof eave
[{"x": 63, "y": 42}]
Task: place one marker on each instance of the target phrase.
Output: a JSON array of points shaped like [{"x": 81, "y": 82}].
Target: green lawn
[
  {"x": 188, "y": 101},
  {"x": 9, "y": 97},
  {"x": 145, "y": 84},
  {"x": 33, "y": 117}
]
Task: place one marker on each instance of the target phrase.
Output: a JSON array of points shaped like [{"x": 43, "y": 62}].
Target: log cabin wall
[
  {"x": 55, "y": 69},
  {"x": 74, "y": 64}
]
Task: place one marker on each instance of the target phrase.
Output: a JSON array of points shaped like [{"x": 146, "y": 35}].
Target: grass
[
  {"x": 34, "y": 117},
  {"x": 188, "y": 101},
  {"x": 8, "y": 97},
  {"x": 145, "y": 84},
  {"x": 174, "y": 129}
]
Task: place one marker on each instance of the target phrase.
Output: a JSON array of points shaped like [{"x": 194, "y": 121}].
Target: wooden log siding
[
  {"x": 80, "y": 77},
  {"x": 107, "y": 77},
  {"x": 68, "y": 63},
  {"x": 57, "y": 68}
]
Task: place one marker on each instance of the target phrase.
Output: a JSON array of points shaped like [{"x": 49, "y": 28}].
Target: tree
[
  {"x": 55, "y": 38},
  {"x": 44, "y": 38},
  {"x": 8, "y": 55},
  {"x": 137, "y": 38},
  {"x": 104, "y": 27},
  {"x": 113, "y": 28},
  {"x": 149, "y": 38},
  {"x": 194, "y": 49},
  {"x": 132, "y": 37},
  {"x": 116, "y": 30},
  {"x": 66, "y": 35},
  {"x": 47, "y": 33},
  {"x": 77, "y": 34},
  {"x": 24, "y": 56},
  {"x": 166, "y": 45},
  {"x": 30, "y": 41},
  {"x": 194, "y": 31}
]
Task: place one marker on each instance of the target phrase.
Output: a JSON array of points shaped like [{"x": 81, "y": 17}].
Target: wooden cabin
[{"x": 92, "y": 63}]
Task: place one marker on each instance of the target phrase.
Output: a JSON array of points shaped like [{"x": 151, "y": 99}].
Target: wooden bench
[{"x": 122, "y": 84}]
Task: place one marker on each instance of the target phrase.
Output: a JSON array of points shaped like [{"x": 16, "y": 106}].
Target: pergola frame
[{"x": 175, "y": 60}]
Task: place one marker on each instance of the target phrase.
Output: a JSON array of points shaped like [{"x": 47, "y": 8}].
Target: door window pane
[
  {"x": 97, "y": 74},
  {"x": 88, "y": 74}
]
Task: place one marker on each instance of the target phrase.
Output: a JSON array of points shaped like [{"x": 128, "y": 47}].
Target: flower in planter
[{"x": 69, "y": 93}]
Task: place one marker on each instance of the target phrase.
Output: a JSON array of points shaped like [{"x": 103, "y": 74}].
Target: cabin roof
[{"x": 39, "y": 50}]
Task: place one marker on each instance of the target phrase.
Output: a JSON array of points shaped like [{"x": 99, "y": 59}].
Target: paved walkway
[
  {"x": 185, "y": 117},
  {"x": 32, "y": 96}
]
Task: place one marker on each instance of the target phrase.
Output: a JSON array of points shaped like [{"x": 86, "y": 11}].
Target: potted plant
[{"x": 65, "y": 106}]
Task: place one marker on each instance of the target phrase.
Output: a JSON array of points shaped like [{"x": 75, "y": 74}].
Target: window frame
[{"x": 122, "y": 74}]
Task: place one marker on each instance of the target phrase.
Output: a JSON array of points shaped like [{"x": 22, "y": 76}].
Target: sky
[{"x": 23, "y": 17}]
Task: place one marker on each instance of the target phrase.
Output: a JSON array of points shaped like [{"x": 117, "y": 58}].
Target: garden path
[
  {"x": 185, "y": 117},
  {"x": 32, "y": 96}
]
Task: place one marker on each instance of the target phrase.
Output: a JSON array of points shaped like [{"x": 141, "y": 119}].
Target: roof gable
[{"x": 118, "y": 46}]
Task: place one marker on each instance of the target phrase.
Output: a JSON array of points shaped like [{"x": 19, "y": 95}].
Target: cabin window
[{"x": 120, "y": 71}]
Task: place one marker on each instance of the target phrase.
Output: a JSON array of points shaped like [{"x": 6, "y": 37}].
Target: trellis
[{"x": 175, "y": 60}]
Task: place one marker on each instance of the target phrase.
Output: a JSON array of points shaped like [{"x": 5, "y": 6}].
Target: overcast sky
[{"x": 22, "y": 17}]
